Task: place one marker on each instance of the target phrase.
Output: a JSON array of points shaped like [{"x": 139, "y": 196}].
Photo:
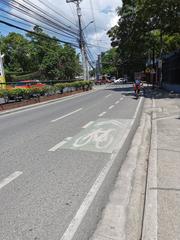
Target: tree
[
  {"x": 16, "y": 49},
  {"x": 110, "y": 63},
  {"x": 145, "y": 27},
  {"x": 38, "y": 53},
  {"x": 53, "y": 59}
]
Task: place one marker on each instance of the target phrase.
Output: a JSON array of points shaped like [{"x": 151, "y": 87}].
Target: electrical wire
[
  {"x": 57, "y": 12},
  {"x": 45, "y": 12},
  {"x": 35, "y": 15},
  {"x": 93, "y": 15},
  {"x": 28, "y": 23},
  {"x": 37, "y": 34}
]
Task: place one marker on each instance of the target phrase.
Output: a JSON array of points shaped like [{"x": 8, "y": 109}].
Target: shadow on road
[{"x": 147, "y": 92}]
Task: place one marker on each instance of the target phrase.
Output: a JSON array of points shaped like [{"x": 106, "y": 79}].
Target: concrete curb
[
  {"x": 38, "y": 105},
  {"x": 87, "y": 226}
]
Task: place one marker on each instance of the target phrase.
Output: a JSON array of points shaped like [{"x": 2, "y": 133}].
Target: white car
[{"x": 118, "y": 81}]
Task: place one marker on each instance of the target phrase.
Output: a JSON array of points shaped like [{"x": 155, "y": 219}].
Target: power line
[
  {"x": 37, "y": 34},
  {"x": 34, "y": 6},
  {"x": 73, "y": 11},
  {"x": 40, "y": 17},
  {"x": 92, "y": 10},
  {"x": 57, "y": 12},
  {"x": 28, "y": 22}
]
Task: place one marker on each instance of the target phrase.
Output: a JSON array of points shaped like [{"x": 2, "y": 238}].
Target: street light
[{"x": 88, "y": 25}]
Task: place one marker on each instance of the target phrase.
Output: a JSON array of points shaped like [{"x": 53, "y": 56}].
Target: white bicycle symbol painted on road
[{"x": 101, "y": 137}]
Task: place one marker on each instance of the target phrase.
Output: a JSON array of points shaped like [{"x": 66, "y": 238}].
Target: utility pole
[
  {"x": 81, "y": 41},
  {"x": 98, "y": 67}
]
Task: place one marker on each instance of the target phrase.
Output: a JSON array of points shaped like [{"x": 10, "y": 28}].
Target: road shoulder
[{"x": 122, "y": 216}]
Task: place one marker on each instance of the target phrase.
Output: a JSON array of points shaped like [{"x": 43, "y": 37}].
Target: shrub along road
[{"x": 51, "y": 156}]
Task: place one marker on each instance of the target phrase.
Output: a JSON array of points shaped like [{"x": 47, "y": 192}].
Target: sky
[{"x": 102, "y": 12}]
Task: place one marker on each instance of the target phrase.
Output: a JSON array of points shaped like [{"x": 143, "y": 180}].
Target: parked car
[
  {"x": 100, "y": 81},
  {"x": 109, "y": 80},
  {"x": 116, "y": 81},
  {"x": 120, "y": 81},
  {"x": 29, "y": 84}
]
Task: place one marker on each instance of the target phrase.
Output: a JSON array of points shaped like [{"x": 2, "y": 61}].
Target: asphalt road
[{"x": 50, "y": 157}]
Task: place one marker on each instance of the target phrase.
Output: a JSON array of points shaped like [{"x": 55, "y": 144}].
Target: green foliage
[
  {"x": 144, "y": 28},
  {"x": 3, "y": 93},
  {"x": 45, "y": 58},
  {"x": 110, "y": 62},
  {"x": 16, "y": 50}
]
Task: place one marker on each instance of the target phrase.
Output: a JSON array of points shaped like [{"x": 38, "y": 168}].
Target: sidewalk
[
  {"x": 162, "y": 215},
  {"x": 145, "y": 201}
]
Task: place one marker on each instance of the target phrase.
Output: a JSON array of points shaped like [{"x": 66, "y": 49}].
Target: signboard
[{"x": 147, "y": 70}]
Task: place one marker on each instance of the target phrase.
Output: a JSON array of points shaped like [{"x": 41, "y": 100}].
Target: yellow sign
[{"x": 147, "y": 70}]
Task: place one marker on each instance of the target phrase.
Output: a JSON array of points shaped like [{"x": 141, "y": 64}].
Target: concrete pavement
[{"x": 162, "y": 216}]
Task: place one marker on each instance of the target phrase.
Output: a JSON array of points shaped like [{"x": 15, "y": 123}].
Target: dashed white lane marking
[
  {"x": 10, "y": 178},
  {"x": 121, "y": 99},
  {"x": 116, "y": 102},
  {"x": 101, "y": 114},
  {"x": 66, "y": 115},
  {"x": 88, "y": 124},
  {"x": 111, "y": 107},
  {"x": 108, "y": 96},
  {"x": 53, "y": 149}
]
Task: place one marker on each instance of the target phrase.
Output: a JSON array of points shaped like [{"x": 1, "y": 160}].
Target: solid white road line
[
  {"x": 108, "y": 96},
  {"x": 101, "y": 114},
  {"x": 88, "y": 124},
  {"x": 111, "y": 106},
  {"x": 9, "y": 179},
  {"x": 116, "y": 102},
  {"x": 76, "y": 221},
  {"x": 55, "y": 120},
  {"x": 53, "y": 149}
]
